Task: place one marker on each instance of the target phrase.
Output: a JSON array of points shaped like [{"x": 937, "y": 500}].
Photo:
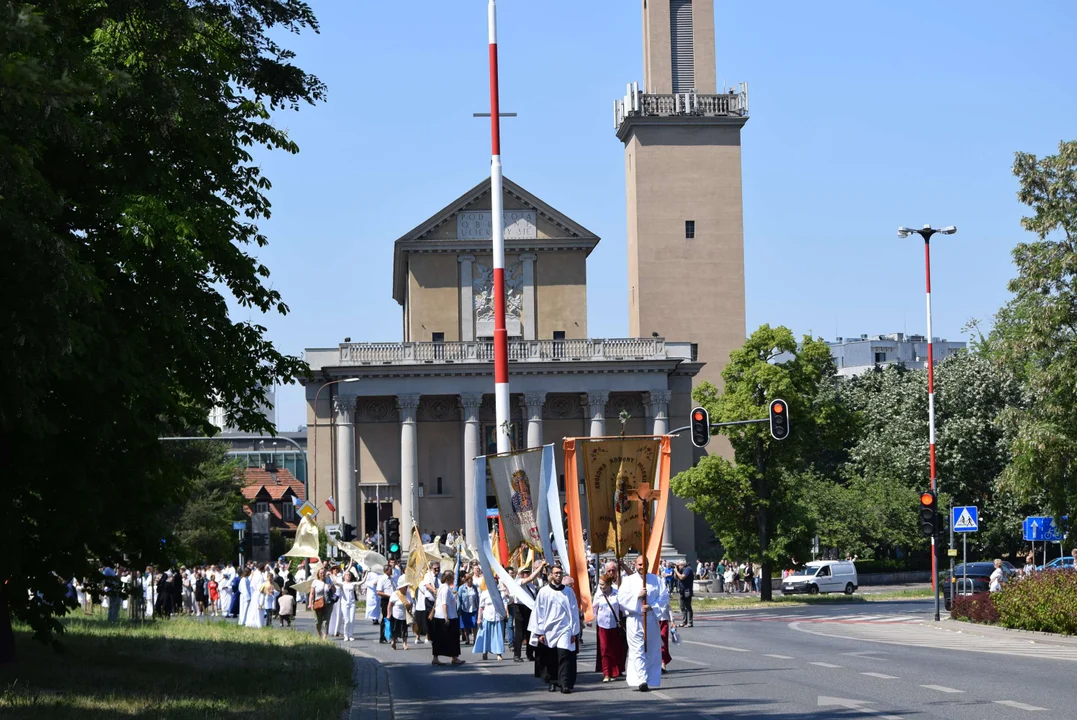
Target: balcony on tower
[{"x": 681, "y": 106}]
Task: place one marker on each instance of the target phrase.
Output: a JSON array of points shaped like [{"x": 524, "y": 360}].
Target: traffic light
[
  {"x": 347, "y": 532},
  {"x": 701, "y": 427},
  {"x": 929, "y": 514},
  {"x": 779, "y": 419},
  {"x": 392, "y": 537}
]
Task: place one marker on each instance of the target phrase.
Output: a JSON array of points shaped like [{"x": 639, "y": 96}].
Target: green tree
[
  {"x": 129, "y": 203},
  {"x": 754, "y": 504},
  {"x": 202, "y": 525},
  {"x": 1035, "y": 333}
]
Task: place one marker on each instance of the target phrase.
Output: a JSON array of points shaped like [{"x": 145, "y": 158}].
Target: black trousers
[
  {"x": 686, "y": 608},
  {"x": 560, "y": 667},
  {"x": 521, "y": 616}
]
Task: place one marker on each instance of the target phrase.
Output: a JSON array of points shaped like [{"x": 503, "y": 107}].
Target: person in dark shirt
[{"x": 685, "y": 575}]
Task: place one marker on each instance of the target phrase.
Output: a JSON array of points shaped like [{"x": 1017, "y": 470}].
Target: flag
[
  {"x": 296, "y": 500},
  {"x": 418, "y": 561},
  {"x": 516, "y": 485},
  {"x": 331, "y": 504},
  {"x": 306, "y": 540},
  {"x": 615, "y": 468}
]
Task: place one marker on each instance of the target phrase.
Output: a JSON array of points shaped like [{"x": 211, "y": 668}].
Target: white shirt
[
  {"x": 607, "y": 611},
  {"x": 348, "y": 592},
  {"x": 445, "y": 603},
  {"x": 486, "y": 608},
  {"x": 385, "y": 585},
  {"x": 425, "y": 597},
  {"x": 557, "y": 617},
  {"x": 397, "y": 608},
  {"x": 996, "y": 579}
]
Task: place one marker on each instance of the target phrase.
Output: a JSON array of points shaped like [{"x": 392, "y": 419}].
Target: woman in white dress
[
  {"x": 373, "y": 602},
  {"x": 336, "y": 617},
  {"x": 250, "y": 587},
  {"x": 348, "y": 592}
]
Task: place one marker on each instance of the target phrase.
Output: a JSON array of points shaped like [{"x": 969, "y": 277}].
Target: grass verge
[
  {"x": 175, "y": 668},
  {"x": 750, "y": 602}
]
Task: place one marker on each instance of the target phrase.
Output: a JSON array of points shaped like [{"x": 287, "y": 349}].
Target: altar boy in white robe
[
  {"x": 643, "y": 601},
  {"x": 557, "y": 625}
]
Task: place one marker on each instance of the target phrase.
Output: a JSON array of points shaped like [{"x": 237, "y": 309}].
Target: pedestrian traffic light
[
  {"x": 347, "y": 532},
  {"x": 392, "y": 537},
  {"x": 929, "y": 514},
  {"x": 701, "y": 427},
  {"x": 779, "y": 419}
]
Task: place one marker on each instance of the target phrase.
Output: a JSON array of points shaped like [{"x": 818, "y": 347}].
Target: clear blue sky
[{"x": 864, "y": 116}]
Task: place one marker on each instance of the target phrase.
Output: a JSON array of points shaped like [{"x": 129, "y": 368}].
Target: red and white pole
[
  {"x": 931, "y": 404},
  {"x": 501, "y": 337}
]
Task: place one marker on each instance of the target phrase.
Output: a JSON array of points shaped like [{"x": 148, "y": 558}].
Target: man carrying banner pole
[{"x": 644, "y": 598}]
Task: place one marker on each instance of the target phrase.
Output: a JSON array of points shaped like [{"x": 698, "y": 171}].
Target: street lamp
[
  {"x": 315, "y": 442},
  {"x": 926, "y": 232}
]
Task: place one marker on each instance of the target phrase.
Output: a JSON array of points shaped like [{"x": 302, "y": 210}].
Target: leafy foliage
[
  {"x": 128, "y": 201},
  {"x": 1041, "y": 602},
  {"x": 1035, "y": 334},
  {"x": 977, "y": 608},
  {"x": 202, "y": 525}
]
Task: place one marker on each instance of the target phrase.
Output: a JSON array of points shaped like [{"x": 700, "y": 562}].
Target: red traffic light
[
  {"x": 778, "y": 408},
  {"x": 697, "y": 416},
  {"x": 927, "y": 498}
]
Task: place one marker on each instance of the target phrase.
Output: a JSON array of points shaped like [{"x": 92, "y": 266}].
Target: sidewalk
[
  {"x": 371, "y": 698},
  {"x": 994, "y": 631}
]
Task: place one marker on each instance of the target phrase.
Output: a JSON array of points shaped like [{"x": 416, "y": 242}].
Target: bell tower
[{"x": 683, "y": 187}]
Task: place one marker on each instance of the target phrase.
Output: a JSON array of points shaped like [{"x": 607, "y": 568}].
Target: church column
[
  {"x": 471, "y": 404},
  {"x": 467, "y": 301},
  {"x": 530, "y": 320},
  {"x": 344, "y": 407},
  {"x": 596, "y": 404},
  {"x": 409, "y": 467},
  {"x": 658, "y": 403},
  {"x": 534, "y": 403}
]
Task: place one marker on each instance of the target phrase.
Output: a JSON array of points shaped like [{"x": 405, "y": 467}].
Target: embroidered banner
[
  {"x": 516, "y": 482},
  {"x": 614, "y": 468}
]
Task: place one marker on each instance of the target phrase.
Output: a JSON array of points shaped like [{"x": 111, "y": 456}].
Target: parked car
[
  {"x": 822, "y": 576},
  {"x": 1058, "y": 563},
  {"x": 973, "y": 577}
]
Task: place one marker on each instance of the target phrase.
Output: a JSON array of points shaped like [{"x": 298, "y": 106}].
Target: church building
[{"x": 393, "y": 426}]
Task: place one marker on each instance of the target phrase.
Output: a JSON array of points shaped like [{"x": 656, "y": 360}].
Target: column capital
[
  {"x": 344, "y": 407},
  {"x": 408, "y": 404},
  {"x": 658, "y": 402},
  {"x": 471, "y": 402},
  {"x": 534, "y": 401},
  {"x": 465, "y": 258},
  {"x": 597, "y": 401},
  {"x": 528, "y": 256}
]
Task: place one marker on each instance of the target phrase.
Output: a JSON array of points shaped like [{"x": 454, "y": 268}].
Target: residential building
[{"x": 854, "y": 356}]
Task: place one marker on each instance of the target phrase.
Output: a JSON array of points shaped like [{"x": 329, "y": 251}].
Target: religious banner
[
  {"x": 306, "y": 540},
  {"x": 516, "y": 482},
  {"x": 614, "y": 468},
  {"x": 418, "y": 560}
]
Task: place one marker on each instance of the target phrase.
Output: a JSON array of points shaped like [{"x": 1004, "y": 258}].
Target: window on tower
[{"x": 689, "y": 229}]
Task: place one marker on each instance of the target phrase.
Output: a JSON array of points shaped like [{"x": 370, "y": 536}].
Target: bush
[
  {"x": 977, "y": 608},
  {"x": 1041, "y": 602}
]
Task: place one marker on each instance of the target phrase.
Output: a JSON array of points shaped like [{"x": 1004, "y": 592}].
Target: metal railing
[
  {"x": 590, "y": 349},
  {"x": 637, "y": 104}
]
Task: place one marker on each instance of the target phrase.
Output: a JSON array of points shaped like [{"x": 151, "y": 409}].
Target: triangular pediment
[{"x": 535, "y": 226}]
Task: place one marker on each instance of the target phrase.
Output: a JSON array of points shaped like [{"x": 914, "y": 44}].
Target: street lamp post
[
  {"x": 926, "y": 232},
  {"x": 315, "y": 441}
]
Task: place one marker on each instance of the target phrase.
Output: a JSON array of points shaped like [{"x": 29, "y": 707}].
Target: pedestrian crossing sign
[{"x": 965, "y": 519}]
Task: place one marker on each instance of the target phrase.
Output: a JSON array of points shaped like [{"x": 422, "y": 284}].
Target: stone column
[
  {"x": 472, "y": 449},
  {"x": 345, "y": 491},
  {"x": 596, "y": 404},
  {"x": 467, "y": 301},
  {"x": 409, "y": 467},
  {"x": 658, "y": 405},
  {"x": 530, "y": 319},
  {"x": 534, "y": 403}
]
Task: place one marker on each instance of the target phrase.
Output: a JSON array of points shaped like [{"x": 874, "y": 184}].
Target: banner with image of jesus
[
  {"x": 614, "y": 468},
  {"x": 516, "y": 484}
]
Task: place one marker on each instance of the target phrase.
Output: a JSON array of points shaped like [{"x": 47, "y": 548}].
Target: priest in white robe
[
  {"x": 371, "y": 582},
  {"x": 244, "y": 596},
  {"x": 250, "y": 586},
  {"x": 643, "y": 600},
  {"x": 557, "y": 625}
]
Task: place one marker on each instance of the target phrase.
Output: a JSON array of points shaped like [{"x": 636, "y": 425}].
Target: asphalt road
[{"x": 877, "y": 660}]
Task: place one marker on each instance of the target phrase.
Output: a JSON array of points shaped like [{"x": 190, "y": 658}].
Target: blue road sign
[
  {"x": 965, "y": 518},
  {"x": 239, "y": 525},
  {"x": 1042, "y": 529}
]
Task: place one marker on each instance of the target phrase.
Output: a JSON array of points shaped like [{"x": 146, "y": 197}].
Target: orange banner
[
  {"x": 577, "y": 556},
  {"x": 654, "y": 542}
]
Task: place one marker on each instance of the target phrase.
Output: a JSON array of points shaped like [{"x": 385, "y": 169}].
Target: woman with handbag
[
  {"x": 400, "y": 606},
  {"x": 316, "y": 601},
  {"x": 446, "y": 632},
  {"x": 612, "y": 650}
]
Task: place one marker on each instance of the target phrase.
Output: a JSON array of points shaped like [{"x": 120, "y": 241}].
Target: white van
[{"x": 822, "y": 576}]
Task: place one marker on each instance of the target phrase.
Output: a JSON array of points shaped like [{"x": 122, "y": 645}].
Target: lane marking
[
  {"x": 779, "y": 657},
  {"x": 823, "y": 664},
  {"x": 692, "y": 662},
  {"x": 712, "y": 645},
  {"x": 661, "y": 695},
  {"x": 942, "y": 688},
  {"x": 1020, "y": 705},
  {"x": 881, "y": 676}
]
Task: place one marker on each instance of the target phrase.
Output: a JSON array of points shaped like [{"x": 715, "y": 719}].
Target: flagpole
[{"x": 501, "y": 342}]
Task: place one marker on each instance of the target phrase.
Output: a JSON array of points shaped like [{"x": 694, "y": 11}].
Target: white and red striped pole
[{"x": 501, "y": 337}]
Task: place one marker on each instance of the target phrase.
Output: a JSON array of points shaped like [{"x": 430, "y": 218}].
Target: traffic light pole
[{"x": 685, "y": 428}]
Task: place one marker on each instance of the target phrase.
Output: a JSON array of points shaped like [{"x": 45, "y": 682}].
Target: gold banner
[
  {"x": 614, "y": 468},
  {"x": 418, "y": 560}
]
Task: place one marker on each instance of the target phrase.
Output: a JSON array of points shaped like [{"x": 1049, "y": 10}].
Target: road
[{"x": 865, "y": 660}]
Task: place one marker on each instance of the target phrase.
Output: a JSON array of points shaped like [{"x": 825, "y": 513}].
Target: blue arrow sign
[
  {"x": 1042, "y": 529},
  {"x": 965, "y": 518}
]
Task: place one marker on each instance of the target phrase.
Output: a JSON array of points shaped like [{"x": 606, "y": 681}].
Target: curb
[
  {"x": 371, "y": 697},
  {"x": 989, "y": 631}
]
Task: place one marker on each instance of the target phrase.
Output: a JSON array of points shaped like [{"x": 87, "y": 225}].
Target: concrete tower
[{"x": 683, "y": 187}]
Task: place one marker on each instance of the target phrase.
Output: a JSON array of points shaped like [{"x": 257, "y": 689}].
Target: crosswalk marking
[
  {"x": 826, "y": 665},
  {"x": 779, "y": 657},
  {"x": 942, "y": 688},
  {"x": 1020, "y": 705},
  {"x": 881, "y": 676}
]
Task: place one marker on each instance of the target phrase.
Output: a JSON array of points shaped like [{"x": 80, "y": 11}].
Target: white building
[{"x": 854, "y": 356}]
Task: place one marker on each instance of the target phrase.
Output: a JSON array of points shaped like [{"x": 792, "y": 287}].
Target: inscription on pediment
[{"x": 479, "y": 225}]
